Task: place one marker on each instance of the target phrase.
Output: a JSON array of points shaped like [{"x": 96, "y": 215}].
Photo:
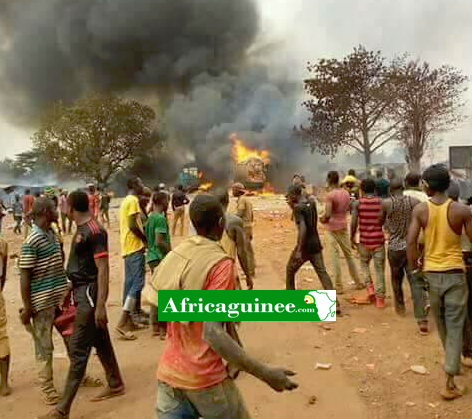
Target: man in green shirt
[{"x": 158, "y": 237}]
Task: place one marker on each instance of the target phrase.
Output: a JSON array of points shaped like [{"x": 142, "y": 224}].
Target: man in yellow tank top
[{"x": 443, "y": 222}]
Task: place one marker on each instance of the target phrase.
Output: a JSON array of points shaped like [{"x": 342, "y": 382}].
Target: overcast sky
[{"x": 438, "y": 31}]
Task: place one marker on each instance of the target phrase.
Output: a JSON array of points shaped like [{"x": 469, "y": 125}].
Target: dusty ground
[{"x": 367, "y": 380}]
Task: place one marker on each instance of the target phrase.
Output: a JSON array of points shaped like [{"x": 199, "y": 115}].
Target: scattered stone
[
  {"x": 410, "y": 404},
  {"x": 359, "y": 330},
  {"x": 419, "y": 369},
  {"x": 320, "y": 366},
  {"x": 312, "y": 400},
  {"x": 326, "y": 327},
  {"x": 317, "y": 347},
  {"x": 433, "y": 405},
  {"x": 370, "y": 367}
]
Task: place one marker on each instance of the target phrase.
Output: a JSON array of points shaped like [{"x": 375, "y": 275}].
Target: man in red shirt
[
  {"x": 28, "y": 201},
  {"x": 94, "y": 199},
  {"x": 338, "y": 205},
  {"x": 193, "y": 381},
  {"x": 367, "y": 214}
]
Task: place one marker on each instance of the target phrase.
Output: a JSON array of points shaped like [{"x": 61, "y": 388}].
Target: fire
[
  {"x": 205, "y": 186},
  {"x": 267, "y": 190},
  {"x": 242, "y": 153}
]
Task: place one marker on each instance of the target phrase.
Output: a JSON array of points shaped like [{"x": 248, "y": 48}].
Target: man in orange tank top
[{"x": 443, "y": 222}]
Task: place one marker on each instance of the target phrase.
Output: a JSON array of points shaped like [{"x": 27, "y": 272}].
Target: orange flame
[
  {"x": 205, "y": 186},
  {"x": 242, "y": 153}
]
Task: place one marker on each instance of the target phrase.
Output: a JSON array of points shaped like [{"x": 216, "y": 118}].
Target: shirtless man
[
  {"x": 234, "y": 241},
  {"x": 443, "y": 222}
]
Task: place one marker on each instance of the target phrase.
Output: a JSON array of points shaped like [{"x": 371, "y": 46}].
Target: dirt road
[{"x": 367, "y": 380}]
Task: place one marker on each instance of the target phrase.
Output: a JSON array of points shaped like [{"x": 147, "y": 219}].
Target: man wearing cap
[{"x": 246, "y": 213}]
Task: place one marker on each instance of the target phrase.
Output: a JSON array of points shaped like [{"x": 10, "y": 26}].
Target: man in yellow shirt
[
  {"x": 133, "y": 245},
  {"x": 5, "y": 389},
  {"x": 443, "y": 222},
  {"x": 245, "y": 212}
]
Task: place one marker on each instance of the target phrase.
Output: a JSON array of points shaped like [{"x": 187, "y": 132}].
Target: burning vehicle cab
[{"x": 250, "y": 165}]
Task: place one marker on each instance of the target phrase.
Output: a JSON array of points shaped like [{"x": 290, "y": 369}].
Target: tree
[
  {"x": 428, "y": 101},
  {"x": 348, "y": 104},
  {"x": 96, "y": 137}
]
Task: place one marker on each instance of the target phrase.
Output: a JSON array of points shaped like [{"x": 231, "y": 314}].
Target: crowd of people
[{"x": 417, "y": 223}]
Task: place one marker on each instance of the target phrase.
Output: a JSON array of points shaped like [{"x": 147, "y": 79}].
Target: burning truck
[{"x": 250, "y": 166}]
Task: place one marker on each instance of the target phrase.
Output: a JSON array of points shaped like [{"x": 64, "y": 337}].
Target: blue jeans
[
  {"x": 135, "y": 267},
  {"x": 449, "y": 293},
  {"x": 222, "y": 401}
]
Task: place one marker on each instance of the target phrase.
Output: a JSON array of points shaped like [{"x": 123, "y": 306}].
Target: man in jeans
[
  {"x": 396, "y": 216},
  {"x": 43, "y": 288},
  {"x": 308, "y": 247},
  {"x": 443, "y": 222},
  {"x": 366, "y": 213},
  {"x": 88, "y": 270},
  {"x": 338, "y": 204},
  {"x": 191, "y": 386},
  {"x": 133, "y": 245}
]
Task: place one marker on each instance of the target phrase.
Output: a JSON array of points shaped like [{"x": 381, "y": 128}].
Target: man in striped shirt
[
  {"x": 43, "y": 288},
  {"x": 366, "y": 214}
]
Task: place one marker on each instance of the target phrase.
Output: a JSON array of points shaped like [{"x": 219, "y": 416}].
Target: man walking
[
  {"x": 338, "y": 204},
  {"x": 17, "y": 208},
  {"x": 28, "y": 200},
  {"x": 366, "y": 214},
  {"x": 93, "y": 200},
  {"x": 308, "y": 247},
  {"x": 382, "y": 186},
  {"x": 43, "y": 289},
  {"x": 133, "y": 245},
  {"x": 179, "y": 200},
  {"x": 158, "y": 238},
  {"x": 5, "y": 389},
  {"x": 396, "y": 216},
  {"x": 105, "y": 208},
  {"x": 192, "y": 386},
  {"x": 88, "y": 270},
  {"x": 64, "y": 207},
  {"x": 244, "y": 210},
  {"x": 443, "y": 222}
]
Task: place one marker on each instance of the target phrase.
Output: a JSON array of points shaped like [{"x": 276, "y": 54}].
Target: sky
[{"x": 437, "y": 31}]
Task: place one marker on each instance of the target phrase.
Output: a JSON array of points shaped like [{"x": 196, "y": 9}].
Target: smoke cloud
[{"x": 191, "y": 58}]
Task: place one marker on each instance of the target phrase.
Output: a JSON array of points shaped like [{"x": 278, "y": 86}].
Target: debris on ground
[
  {"x": 419, "y": 369},
  {"x": 312, "y": 400},
  {"x": 359, "y": 330},
  {"x": 320, "y": 366}
]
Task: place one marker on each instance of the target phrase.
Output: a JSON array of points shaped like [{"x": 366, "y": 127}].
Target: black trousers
[
  {"x": 467, "y": 338},
  {"x": 294, "y": 264},
  {"x": 87, "y": 335}
]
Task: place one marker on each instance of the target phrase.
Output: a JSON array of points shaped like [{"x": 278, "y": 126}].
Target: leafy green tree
[{"x": 96, "y": 137}]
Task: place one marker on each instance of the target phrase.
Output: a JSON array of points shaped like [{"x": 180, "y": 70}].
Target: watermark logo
[{"x": 247, "y": 305}]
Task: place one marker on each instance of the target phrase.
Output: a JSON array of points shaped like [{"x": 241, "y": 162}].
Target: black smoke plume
[{"x": 190, "y": 57}]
